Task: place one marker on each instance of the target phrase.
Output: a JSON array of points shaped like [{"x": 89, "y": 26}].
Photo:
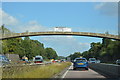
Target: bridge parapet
[{"x": 14, "y": 35}]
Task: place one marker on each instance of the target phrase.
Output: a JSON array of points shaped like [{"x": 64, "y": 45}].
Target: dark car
[
  {"x": 80, "y": 63},
  {"x": 118, "y": 61}
]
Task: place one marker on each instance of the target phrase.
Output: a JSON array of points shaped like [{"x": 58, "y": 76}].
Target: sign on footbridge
[{"x": 99, "y": 35}]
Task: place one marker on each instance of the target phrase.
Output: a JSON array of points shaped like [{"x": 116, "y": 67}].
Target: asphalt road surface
[{"x": 81, "y": 73}]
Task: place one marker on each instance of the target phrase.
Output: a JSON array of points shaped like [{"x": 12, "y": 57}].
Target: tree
[
  {"x": 75, "y": 55},
  {"x": 108, "y": 51},
  {"x": 25, "y": 47},
  {"x": 51, "y": 53}
]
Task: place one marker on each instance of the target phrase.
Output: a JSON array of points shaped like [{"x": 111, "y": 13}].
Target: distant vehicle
[
  {"x": 38, "y": 59},
  {"x": 62, "y": 60},
  {"x": 92, "y": 60},
  {"x": 24, "y": 60},
  {"x": 56, "y": 60},
  {"x": 52, "y": 60},
  {"x": 118, "y": 61},
  {"x": 80, "y": 63},
  {"x": 68, "y": 59},
  {"x": 97, "y": 61},
  {"x": 4, "y": 60}
]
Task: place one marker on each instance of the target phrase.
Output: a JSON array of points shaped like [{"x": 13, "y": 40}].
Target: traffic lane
[{"x": 81, "y": 73}]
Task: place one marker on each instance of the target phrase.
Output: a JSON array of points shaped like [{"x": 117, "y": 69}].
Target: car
[
  {"x": 80, "y": 63},
  {"x": 92, "y": 60},
  {"x": 56, "y": 60},
  {"x": 24, "y": 60},
  {"x": 38, "y": 59},
  {"x": 98, "y": 61},
  {"x": 62, "y": 60},
  {"x": 118, "y": 61},
  {"x": 4, "y": 60}
]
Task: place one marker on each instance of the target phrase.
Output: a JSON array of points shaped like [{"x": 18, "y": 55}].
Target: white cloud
[
  {"x": 59, "y": 38},
  {"x": 32, "y": 26},
  {"x": 7, "y": 19},
  {"x": 15, "y": 25},
  {"x": 108, "y": 8},
  {"x": 65, "y": 45},
  {"x": 98, "y": 6},
  {"x": 83, "y": 44}
]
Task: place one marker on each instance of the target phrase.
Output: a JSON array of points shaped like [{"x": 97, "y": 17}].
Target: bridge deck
[{"x": 99, "y": 35}]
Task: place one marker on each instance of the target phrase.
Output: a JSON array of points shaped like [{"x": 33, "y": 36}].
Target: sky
[
  {"x": 60, "y": 0},
  {"x": 96, "y": 17}
]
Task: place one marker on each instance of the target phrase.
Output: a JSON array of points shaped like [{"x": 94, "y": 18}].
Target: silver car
[
  {"x": 92, "y": 60},
  {"x": 118, "y": 61}
]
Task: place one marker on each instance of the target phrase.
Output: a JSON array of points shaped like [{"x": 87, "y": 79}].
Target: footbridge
[{"x": 89, "y": 34}]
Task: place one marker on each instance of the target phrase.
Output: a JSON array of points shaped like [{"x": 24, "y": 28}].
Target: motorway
[
  {"x": 70, "y": 73},
  {"x": 81, "y": 73}
]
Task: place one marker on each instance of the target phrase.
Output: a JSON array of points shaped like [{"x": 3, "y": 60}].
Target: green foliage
[
  {"x": 107, "y": 51},
  {"x": 51, "y": 53},
  {"x": 75, "y": 55},
  {"x": 61, "y": 57},
  {"x": 26, "y": 47},
  {"x": 4, "y": 30}
]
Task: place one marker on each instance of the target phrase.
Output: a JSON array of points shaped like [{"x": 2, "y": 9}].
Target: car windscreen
[
  {"x": 37, "y": 58},
  {"x": 80, "y": 60},
  {"x": 92, "y": 59}
]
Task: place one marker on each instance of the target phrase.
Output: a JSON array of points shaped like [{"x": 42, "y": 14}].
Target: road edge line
[{"x": 66, "y": 72}]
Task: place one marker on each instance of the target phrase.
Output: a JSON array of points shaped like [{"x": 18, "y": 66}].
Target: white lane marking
[{"x": 66, "y": 72}]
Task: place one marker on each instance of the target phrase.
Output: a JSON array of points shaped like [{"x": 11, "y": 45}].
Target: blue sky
[{"x": 97, "y": 17}]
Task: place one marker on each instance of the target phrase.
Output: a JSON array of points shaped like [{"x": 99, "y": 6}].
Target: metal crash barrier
[{"x": 110, "y": 70}]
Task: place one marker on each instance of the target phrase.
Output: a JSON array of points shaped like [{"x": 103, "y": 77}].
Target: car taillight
[{"x": 38, "y": 61}]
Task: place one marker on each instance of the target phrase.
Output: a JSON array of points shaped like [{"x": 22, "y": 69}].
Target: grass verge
[{"x": 44, "y": 71}]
